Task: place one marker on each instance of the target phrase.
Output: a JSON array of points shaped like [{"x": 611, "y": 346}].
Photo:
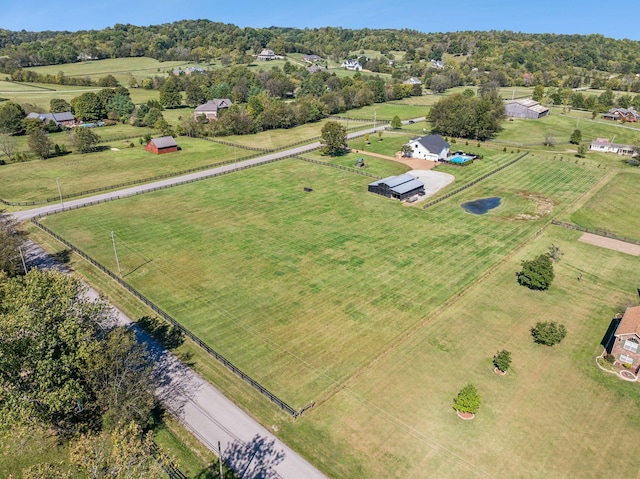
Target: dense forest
[{"x": 514, "y": 57}]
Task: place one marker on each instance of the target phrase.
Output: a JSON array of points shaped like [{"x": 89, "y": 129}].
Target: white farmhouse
[{"x": 430, "y": 147}]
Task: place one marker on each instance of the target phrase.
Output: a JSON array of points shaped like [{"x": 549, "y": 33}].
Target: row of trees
[{"x": 203, "y": 40}]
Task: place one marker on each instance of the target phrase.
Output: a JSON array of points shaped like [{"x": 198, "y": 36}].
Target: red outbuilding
[{"x": 164, "y": 144}]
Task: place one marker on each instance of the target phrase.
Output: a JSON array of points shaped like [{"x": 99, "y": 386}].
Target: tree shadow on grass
[{"x": 255, "y": 459}]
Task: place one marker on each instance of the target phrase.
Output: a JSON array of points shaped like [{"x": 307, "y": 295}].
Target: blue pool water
[
  {"x": 481, "y": 206},
  {"x": 459, "y": 159}
]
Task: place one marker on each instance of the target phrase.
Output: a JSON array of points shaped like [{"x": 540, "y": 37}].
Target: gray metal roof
[
  {"x": 214, "y": 105},
  {"x": 393, "y": 181},
  {"x": 164, "y": 142},
  {"x": 408, "y": 186},
  {"x": 64, "y": 116},
  {"x": 433, "y": 143}
]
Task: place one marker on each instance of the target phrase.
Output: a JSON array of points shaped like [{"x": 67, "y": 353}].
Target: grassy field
[
  {"x": 612, "y": 208},
  {"x": 36, "y": 180},
  {"x": 317, "y": 266},
  {"x": 532, "y": 132}
]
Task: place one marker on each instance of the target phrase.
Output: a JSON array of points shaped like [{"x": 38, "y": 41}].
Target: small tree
[
  {"x": 396, "y": 122},
  {"x": 379, "y": 135},
  {"x": 502, "y": 360},
  {"x": 406, "y": 150},
  {"x": 549, "y": 139},
  {"x": 366, "y": 138},
  {"x": 468, "y": 400},
  {"x": 576, "y": 137},
  {"x": 536, "y": 273},
  {"x": 40, "y": 144},
  {"x": 582, "y": 151},
  {"x": 555, "y": 253},
  {"x": 548, "y": 333},
  {"x": 84, "y": 139}
]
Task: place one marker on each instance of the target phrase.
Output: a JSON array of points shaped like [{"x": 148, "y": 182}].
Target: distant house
[
  {"x": 430, "y": 147},
  {"x": 412, "y": 81},
  {"x": 267, "y": 54},
  {"x": 622, "y": 114},
  {"x": 188, "y": 70},
  {"x": 398, "y": 187},
  {"x": 603, "y": 145},
  {"x": 212, "y": 108},
  {"x": 352, "y": 65},
  {"x": 61, "y": 119},
  {"x": 437, "y": 64},
  {"x": 315, "y": 69},
  {"x": 526, "y": 108},
  {"x": 84, "y": 57},
  {"x": 311, "y": 58},
  {"x": 164, "y": 144},
  {"x": 626, "y": 339}
]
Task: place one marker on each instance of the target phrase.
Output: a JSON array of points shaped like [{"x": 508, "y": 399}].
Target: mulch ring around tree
[
  {"x": 467, "y": 416},
  {"x": 498, "y": 371}
]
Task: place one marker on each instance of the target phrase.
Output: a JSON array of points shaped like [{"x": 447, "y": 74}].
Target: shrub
[
  {"x": 502, "y": 360},
  {"x": 536, "y": 273},
  {"x": 467, "y": 400},
  {"x": 548, "y": 333}
]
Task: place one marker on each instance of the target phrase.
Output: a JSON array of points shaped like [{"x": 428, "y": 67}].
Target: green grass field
[
  {"x": 612, "y": 208},
  {"x": 313, "y": 265},
  {"x": 36, "y": 180}
]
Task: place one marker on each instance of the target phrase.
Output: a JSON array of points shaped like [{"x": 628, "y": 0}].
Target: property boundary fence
[
  {"x": 474, "y": 182},
  {"x": 604, "y": 233},
  {"x": 228, "y": 364},
  {"x": 167, "y": 466},
  {"x": 339, "y": 167}
]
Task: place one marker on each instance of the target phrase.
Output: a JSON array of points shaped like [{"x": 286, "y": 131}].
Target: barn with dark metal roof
[{"x": 398, "y": 187}]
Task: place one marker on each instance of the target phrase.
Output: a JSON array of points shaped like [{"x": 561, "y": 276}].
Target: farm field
[
  {"x": 532, "y": 132},
  {"x": 612, "y": 208},
  {"x": 316, "y": 265},
  {"x": 36, "y": 180},
  {"x": 543, "y": 419}
]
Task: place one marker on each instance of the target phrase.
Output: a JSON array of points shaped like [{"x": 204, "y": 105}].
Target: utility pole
[
  {"x": 59, "y": 191},
  {"x": 24, "y": 265},
  {"x": 115, "y": 251},
  {"x": 220, "y": 458}
]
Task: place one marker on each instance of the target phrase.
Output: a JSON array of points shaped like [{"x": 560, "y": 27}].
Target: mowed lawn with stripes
[{"x": 299, "y": 289}]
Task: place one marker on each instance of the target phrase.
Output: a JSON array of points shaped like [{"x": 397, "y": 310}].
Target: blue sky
[{"x": 618, "y": 19}]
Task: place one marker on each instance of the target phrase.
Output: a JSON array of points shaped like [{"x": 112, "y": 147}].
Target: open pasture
[
  {"x": 554, "y": 414},
  {"x": 36, "y": 180},
  {"x": 301, "y": 290},
  {"x": 532, "y": 132},
  {"x": 613, "y": 207}
]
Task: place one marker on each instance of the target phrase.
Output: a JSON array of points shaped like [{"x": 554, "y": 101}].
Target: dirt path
[
  {"x": 610, "y": 243},
  {"x": 413, "y": 163}
]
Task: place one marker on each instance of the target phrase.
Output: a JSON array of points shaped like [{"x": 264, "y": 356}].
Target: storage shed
[
  {"x": 526, "y": 108},
  {"x": 164, "y": 144},
  {"x": 398, "y": 187}
]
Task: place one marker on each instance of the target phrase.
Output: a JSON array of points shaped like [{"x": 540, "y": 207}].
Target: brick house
[
  {"x": 626, "y": 339},
  {"x": 164, "y": 144}
]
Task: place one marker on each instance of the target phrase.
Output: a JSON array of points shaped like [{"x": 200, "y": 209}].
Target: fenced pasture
[
  {"x": 613, "y": 207},
  {"x": 545, "y": 418},
  {"x": 36, "y": 181},
  {"x": 139, "y": 67},
  {"x": 301, "y": 290}
]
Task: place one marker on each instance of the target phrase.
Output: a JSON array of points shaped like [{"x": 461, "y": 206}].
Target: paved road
[
  {"x": 247, "y": 447},
  {"x": 136, "y": 190}
]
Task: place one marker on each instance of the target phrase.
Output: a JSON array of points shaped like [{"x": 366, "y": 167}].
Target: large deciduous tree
[
  {"x": 59, "y": 105},
  {"x": 467, "y": 117},
  {"x": 88, "y": 107},
  {"x": 536, "y": 273},
  {"x": 11, "y": 116},
  {"x": 10, "y": 242},
  {"x": 334, "y": 138}
]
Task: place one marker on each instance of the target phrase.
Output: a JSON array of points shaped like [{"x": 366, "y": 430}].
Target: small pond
[{"x": 482, "y": 205}]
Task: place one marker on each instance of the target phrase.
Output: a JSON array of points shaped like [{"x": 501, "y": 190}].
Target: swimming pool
[{"x": 460, "y": 159}]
